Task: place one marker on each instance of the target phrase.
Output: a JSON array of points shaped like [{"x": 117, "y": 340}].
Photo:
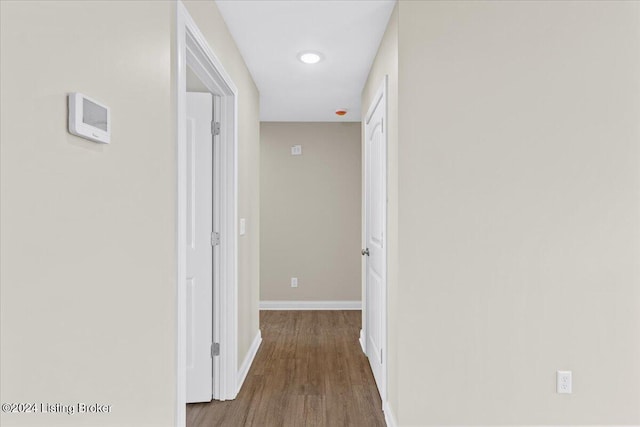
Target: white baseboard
[
  {"x": 310, "y": 305},
  {"x": 248, "y": 360},
  {"x": 389, "y": 418},
  {"x": 361, "y": 339}
]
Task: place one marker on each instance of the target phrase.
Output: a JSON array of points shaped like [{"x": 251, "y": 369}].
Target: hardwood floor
[{"x": 309, "y": 371}]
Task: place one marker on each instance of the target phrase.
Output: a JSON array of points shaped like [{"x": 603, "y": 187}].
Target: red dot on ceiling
[{"x": 341, "y": 112}]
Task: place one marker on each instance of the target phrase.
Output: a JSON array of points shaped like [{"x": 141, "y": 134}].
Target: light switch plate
[
  {"x": 296, "y": 150},
  {"x": 243, "y": 226}
]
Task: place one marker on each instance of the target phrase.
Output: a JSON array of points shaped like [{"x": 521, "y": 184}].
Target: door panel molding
[
  {"x": 373, "y": 337},
  {"x": 200, "y": 252}
]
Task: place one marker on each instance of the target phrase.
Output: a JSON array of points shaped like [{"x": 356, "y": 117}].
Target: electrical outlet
[
  {"x": 564, "y": 382},
  {"x": 294, "y": 282},
  {"x": 296, "y": 150}
]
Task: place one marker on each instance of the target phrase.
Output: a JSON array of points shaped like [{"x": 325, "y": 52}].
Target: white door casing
[
  {"x": 199, "y": 247},
  {"x": 375, "y": 217},
  {"x": 192, "y": 49}
]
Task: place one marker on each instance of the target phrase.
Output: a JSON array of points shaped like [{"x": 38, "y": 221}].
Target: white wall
[
  {"x": 88, "y": 262},
  {"x": 87, "y": 230},
  {"x": 310, "y": 211},
  {"x": 519, "y": 215}
]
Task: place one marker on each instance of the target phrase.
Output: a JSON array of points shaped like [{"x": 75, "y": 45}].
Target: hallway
[{"x": 309, "y": 371}]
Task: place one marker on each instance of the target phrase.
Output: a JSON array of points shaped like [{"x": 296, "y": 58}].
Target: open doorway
[
  {"x": 313, "y": 340},
  {"x": 202, "y": 80}
]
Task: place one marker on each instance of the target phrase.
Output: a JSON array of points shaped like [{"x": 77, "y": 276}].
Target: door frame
[
  {"x": 380, "y": 96},
  {"x": 192, "y": 49}
]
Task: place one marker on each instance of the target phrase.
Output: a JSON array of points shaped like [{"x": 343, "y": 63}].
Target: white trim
[
  {"x": 381, "y": 95},
  {"x": 363, "y": 342},
  {"x": 248, "y": 360},
  {"x": 310, "y": 305},
  {"x": 181, "y": 232},
  {"x": 193, "y": 50},
  {"x": 389, "y": 418}
]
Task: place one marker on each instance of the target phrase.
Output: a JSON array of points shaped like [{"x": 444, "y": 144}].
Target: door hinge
[
  {"x": 215, "y": 128},
  {"x": 380, "y": 355},
  {"x": 215, "y": 349},
  {"x": 215, "y": 238}
]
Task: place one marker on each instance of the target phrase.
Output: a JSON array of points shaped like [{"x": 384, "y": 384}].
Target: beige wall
[
  {"x": 88, "y": 248},
  {"x": 519, "y": 216},
  {"x": 210, "y": 22},
  {"x": 88, "y": 231},
  {"x": 386, "y": 63},
  {"x": 310, "y": 212}
]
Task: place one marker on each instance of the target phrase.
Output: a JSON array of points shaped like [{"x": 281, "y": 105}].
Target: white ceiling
[{"x": 270, "y": 34}]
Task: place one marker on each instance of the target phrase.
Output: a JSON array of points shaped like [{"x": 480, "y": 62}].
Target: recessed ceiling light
[{"x": 310, "y": 57}]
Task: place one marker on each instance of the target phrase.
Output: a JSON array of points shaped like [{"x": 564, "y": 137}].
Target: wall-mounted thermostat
[{"x": 89, "y": 119}]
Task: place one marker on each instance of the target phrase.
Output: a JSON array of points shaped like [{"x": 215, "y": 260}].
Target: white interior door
[
  {"x": 375, "y": 230},
  {"x": 199, "y": 247}
]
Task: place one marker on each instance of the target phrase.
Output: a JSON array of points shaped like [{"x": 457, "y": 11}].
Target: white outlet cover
[
  {"x": 243, "y": 226},
  {"x": 564, "y": 382},
  {"x": 294, "y": 282},
  {"x": 296, "y": 150}
]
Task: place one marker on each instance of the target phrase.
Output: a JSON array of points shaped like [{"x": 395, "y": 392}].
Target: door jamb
[
  {"x": 381, "y": 95},
  {"x": 191, "y": 48}
]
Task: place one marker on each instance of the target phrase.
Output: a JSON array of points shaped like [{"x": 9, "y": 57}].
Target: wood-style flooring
[{"x": 309, "y": 371}]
